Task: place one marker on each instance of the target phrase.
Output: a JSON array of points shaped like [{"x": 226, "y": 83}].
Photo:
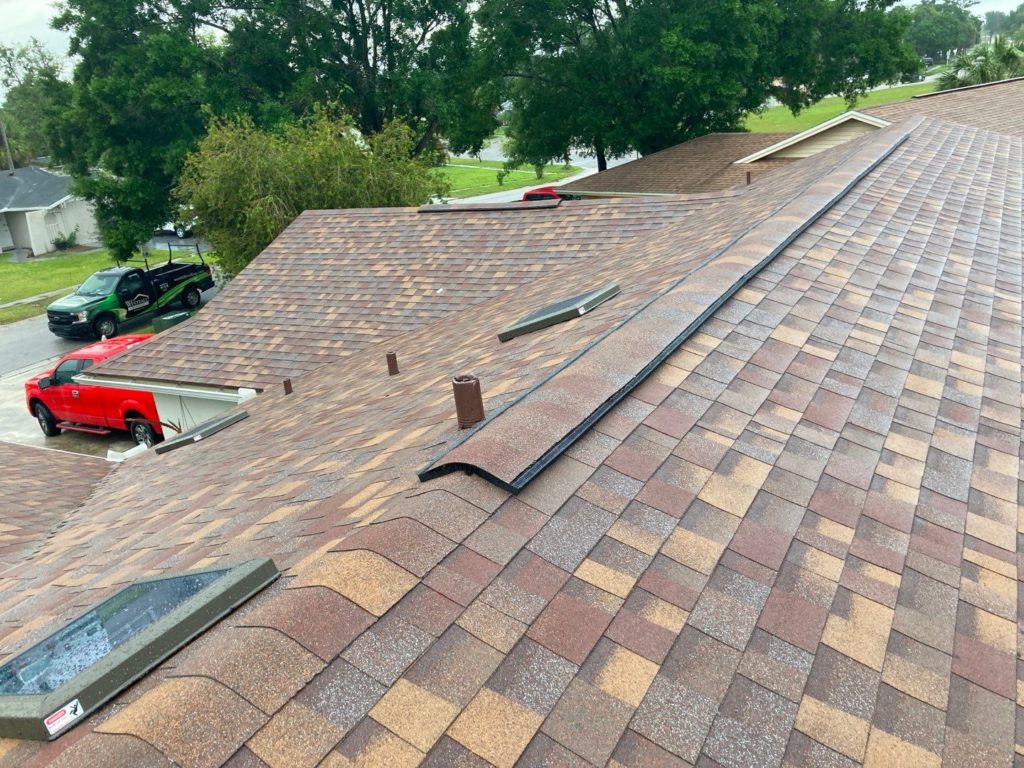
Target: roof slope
[
  {"x": 704, "y": 164},
  {"x": 797, "y": 539},
  {"x": 31, "y": 189},
  {"x": 337, "y": 281},
  {"x": 42, "y": 488},
  {"x": 995, "y": 107}
]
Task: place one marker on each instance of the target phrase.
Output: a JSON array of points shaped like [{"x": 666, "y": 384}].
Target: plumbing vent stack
[
  {"x": 469, "y": 402},
  {"x": 392, "y": 363},
  {"x": 287, "y": 386}
]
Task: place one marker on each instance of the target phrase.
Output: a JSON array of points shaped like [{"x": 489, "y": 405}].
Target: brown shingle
[
  {"x": 704, "y": 164},
  {"x": 876, "y": 600}
]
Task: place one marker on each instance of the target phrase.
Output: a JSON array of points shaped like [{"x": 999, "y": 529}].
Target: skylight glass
[
  {"x": 559, "y": 312},
  {"x": 64, "y": 654},
  {"x": 53, "y": 685}
]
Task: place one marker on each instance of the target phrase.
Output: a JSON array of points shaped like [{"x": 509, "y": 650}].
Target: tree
[
  {"x": 137, "y": 96},
  {"x": 150, "y": 72},
  {"x": 35, "y": 95},
  {"x": 245, "y": 184},
  {"x": 939, "y": 27},
  {"x": 610, "y": 76},
  {"x": 985, "y": 63}
]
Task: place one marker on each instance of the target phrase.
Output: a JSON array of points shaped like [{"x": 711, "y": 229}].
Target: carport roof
[
  {"x": 32, "y": 189},
  {"x": 793, "y": 540}
]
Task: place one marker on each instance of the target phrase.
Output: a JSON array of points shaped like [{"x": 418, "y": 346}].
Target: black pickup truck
[{"x": 111, "y": 296}]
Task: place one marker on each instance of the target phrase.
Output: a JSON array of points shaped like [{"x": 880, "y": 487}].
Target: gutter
[{"x": 197, "y": 391}]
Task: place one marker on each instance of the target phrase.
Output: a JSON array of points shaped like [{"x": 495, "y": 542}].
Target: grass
[
  {"x": 469, "y": 177},
  {"x": 29, "y": 278},
  {"x": 23, "y": 311},
  {"x": 780, "y": 118}
]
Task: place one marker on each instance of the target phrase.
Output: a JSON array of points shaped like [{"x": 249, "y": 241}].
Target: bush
[
  {"x": 63, "y": 242},
  {"x": 245, "y": 184}
]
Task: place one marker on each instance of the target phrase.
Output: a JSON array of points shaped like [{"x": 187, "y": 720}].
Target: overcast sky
[{"x": 23, "y": 19}]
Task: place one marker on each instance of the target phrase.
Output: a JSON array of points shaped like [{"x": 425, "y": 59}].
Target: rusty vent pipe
[
  {"x": 469, "y": 402},
  {"x": 392, "y": 363}
]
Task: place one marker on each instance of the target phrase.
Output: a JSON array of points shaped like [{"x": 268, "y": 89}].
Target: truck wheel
[
  {"x": 143, "y": 434},
  {"x": 105, "y": 325},
  {"x": 191, "y": 298},
  {"x": 46, "y": 420}
]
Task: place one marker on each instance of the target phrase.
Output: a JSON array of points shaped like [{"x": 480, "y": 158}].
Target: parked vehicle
[
  {"x": 59, "y": 403},
  {"x": 547, "y": 193},
  {"x": 111, "y": 296},
  {"x": 180, "y": 229}
]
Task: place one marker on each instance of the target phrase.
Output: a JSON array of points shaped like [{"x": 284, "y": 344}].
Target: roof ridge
[
  {"x": 635, "y": 347},
  {"x": 966, "y": 88}
]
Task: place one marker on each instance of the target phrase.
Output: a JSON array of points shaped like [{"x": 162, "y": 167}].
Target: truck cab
[{"x": 59, "y": 403}]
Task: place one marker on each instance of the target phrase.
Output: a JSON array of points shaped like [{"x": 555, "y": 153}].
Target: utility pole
[{"x": 7, "y": 147}]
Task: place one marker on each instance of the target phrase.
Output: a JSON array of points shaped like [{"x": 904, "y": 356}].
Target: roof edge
[
  {"x": 460, "y": 456},
  {"x": 875, "y": 122},
  {"x": 966, "y": 88}
]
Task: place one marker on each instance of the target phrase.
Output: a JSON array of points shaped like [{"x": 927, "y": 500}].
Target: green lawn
[
  {"x": 780, "y": 118},
  {"x": 29, "y": 278},
  {"x": 23, "y": 311},
  {"x": 469, "y": 176}
]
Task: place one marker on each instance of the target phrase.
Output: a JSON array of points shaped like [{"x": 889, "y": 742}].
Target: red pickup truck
[{"x": 58, "y": 403}]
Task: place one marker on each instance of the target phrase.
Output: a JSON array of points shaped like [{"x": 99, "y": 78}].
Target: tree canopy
[
  {"x": 150, "y": 72},
  {"x": 996, "y": 60},
  {"x": 1008, "y": 23},
  {"x": 245, "y": 184},
  {"x": 607, "y": 76},
  {"x": 618, "y": 75},
  {"x": 939, "y": 27},
  {"x": 31, "y": 76}
]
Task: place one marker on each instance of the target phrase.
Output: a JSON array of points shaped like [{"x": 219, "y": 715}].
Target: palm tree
[{"x": 998, "y": 60}]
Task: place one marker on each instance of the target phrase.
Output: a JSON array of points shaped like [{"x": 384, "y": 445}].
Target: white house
[{"x": 37, "y": 207}]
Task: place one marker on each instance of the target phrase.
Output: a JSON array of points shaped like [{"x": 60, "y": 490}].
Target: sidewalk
[{"x": 39, "y": 297}]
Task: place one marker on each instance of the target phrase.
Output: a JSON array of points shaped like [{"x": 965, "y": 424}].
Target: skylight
[
  {"x": 206, "y": 429},
  {"x": 559, "y": 312},
  {"x": 53, "y": 685}
]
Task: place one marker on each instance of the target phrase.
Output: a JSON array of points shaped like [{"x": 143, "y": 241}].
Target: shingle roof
[
  {"x": 995, "y": 107},
  {"x": 43, "y": 487},
  {"x": 31, "y": 189},
  {"x": 796, "y": 539},
  {"x": 704, "y": 164},
  {"x": 336, "y": 281}
]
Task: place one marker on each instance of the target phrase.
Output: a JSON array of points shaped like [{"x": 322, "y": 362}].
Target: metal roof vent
[
  {"x": 53, "y": 685},
  {"x": 559, "y": 312}
]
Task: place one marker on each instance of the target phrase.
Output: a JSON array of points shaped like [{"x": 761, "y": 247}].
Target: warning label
[{"x": 63, "y": 717}]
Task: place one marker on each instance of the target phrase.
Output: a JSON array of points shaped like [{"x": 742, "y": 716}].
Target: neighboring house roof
[
  {"x": 47, "y": 487},
  {"x": 704, "y": 164},
  {"x": 32, "y": 189},
  {"x": 337, "y": 281},
  {"x": 792, "y": 538},
  {"x": 995, "y": 106}
]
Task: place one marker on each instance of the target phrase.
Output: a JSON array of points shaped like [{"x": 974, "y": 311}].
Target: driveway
[
  {"x": 18, "y": 426},
  {"x": 26, "y": 348}
]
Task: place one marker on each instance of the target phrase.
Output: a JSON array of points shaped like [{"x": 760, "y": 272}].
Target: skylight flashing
[
  {"x": 559, "y": 312},
  {"x": 52, "y": 686}
]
